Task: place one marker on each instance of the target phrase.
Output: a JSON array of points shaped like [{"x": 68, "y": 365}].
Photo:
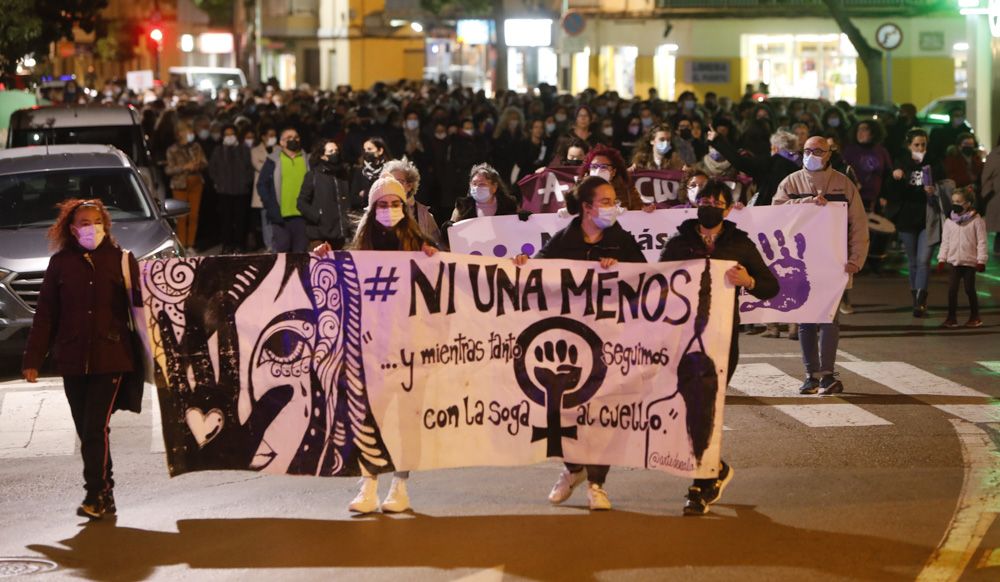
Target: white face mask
[
  {"x": 606, "y": 174},
  {"x": 90, "y": 237},
  {"x": 609, "y": 131},
  {"x": 412, "y": 124},
  {"x": 229, "y": 140},
  {"x": 693, "y": 193},
  {"x": 203, "y": 134},
  {"x": 812, "y": 163},
  {"x": 469, "y": 132},
  {"x": 480, "y": 193},
  {"x": 271, "y": 142},
  {"x": 606, "y": 217},
  {"x": 918, "y": 156},
  {"x": 248, "y": 142},
  {"x": 389, "y": 217},
  {"x": 190, "y": 137}
]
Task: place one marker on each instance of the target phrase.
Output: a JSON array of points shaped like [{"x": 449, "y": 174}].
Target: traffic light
[{"x": 156, "y": 35}]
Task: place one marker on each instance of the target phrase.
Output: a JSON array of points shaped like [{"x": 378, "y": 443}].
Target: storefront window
[
  {"x": 581, "y": 70},
  {"x": 803, "y": 65}
]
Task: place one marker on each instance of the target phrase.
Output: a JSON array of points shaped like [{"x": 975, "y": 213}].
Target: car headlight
[{"x": 167, "y": 250}]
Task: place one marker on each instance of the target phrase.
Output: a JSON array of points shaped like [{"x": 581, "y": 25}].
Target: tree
[
  {"x": 454, "y": 8},
  {"x": 19, "y": 30},
  {"x": 30, "y": 26},
  {"x": 870, "y": 56}
]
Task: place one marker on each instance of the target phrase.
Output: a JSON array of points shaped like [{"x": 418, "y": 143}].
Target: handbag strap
[{"x": 127, "y": 275}]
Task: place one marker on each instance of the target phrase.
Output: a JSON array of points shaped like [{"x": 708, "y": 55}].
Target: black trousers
[
  {"x": 966, "y": 275},
  {"x": 291, "y": 236},
  {"x": 233, "y": 211},
  {"x": 595, "y": 473},
  {"x": 91, "y": 401}
]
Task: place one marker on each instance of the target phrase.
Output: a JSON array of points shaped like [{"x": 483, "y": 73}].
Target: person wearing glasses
[
  {"x": 82, "y": 317},
  {"x": 593, "y": 235},
  {"x": 607, "y": 163},
  {"x": 711, "y": 235},
  {"x": 387, "y": 225},
  {"x": 818, "y": 183}
]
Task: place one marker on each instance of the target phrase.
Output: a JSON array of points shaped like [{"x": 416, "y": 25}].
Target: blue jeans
[
  {"x": 819, "y": 346},
  {"x": 918, "y": 256}
]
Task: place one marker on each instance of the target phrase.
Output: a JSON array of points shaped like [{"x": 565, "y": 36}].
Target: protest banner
[
  {"x": 382, "y": 361},
  {"x": 659, "y": 186},
  {"x": 546, "y": 190},
  {"x": 804, "y": 245}
]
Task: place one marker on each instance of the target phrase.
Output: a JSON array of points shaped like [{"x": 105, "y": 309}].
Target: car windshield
[
  {"x": 30, "y": 199},
  {"x": 122, "y": 137},
  {"x": 212, "y": 81}
]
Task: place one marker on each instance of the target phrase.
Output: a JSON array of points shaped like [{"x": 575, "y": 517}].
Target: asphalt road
[{"x": 898, "y": 479}]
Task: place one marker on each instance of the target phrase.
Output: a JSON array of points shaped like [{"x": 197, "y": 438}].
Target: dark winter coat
[
  {"x": 767, "y": 172},
  {"x": 325, "y": 203},
  {"x": 732, "y": 244},
  {"x": 231, "y": 171},
  {"x": 906, "y": 197},
  {"x": 82, "y": 314},
  {"x": 568, "y": 243}
]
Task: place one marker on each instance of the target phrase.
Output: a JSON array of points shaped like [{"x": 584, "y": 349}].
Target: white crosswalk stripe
[
  {"x": 762, "y": 380},
  {"x": 35, "y": 419},
  {"x": 911, "y": 380}
]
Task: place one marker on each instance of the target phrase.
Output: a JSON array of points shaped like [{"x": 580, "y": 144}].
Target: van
[
  {"x": 210, "y": 79},
  {"x": 103, "y": 124}
]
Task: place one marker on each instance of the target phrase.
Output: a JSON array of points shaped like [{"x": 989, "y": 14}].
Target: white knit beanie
[{"x": 385, "y": 186}]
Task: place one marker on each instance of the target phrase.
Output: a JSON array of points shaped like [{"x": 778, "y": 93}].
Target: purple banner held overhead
[{"x": 546, "y": 190}]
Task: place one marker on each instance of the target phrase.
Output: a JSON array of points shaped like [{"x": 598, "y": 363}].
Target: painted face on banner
[{"x": 277, "y": 372}]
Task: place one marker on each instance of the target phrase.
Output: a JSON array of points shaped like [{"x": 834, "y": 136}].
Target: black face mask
[
  {"x": 330, "y": 164},
  {"x": 369, "y": 157},
  {"x": 573, "y": 163},
  {"x": 685, "y": 134},
  {"x": 957, "y": 208},
  {"x": 709, "y": 216},
  {"x": 293, "y": 145},
  {"x": 968, "y": 151}
]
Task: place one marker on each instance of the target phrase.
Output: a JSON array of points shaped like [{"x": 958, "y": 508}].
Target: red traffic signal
[{"x": 156, "y": 35}]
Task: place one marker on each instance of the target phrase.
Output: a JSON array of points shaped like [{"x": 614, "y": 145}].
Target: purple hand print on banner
[{"x": 790, "y": 272}]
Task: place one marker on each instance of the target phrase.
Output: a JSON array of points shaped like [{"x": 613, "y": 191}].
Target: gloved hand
[
  {"x": 940, "y": 267},
  {"x": 980, "y": 267},
  {"x": 524, "y": 215}
]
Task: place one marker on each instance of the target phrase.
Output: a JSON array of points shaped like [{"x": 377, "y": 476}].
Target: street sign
[
  {"x": 889, "y": 36},
  {"x": 573, "y": 23}
]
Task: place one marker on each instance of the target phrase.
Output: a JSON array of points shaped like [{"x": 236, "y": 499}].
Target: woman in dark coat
[
  {"x": 324, "y": 200},
  {"x": 83, "y": 316},
  {"x": 593, "y": 235},
  {"x": 710, "y": 235}
]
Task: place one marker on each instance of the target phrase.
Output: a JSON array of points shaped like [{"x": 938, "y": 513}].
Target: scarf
[
  {"x": 964, "y": 217},
  {"x": 715, "y": 168},
  {"x": 371, "y": 170}
]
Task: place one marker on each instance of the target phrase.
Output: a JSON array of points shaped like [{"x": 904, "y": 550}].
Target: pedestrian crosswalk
[{"x": 35, "y": 419}]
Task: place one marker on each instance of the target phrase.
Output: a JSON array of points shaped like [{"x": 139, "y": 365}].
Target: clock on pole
[{"x": 888, "y": 36}]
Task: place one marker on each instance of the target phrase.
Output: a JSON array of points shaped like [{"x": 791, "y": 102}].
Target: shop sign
[
  {"x": 709, "y": 72},
  {"x": 932, "y": 41},
  {"x": 473, "y": 31}
]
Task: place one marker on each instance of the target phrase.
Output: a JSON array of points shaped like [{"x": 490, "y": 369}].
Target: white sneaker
[
  {"x": 398, "y": 499},
  {"x": 366, "y": 500},
  {"x": 565, "y": 485},
  {"x": 598, "y": 497}
]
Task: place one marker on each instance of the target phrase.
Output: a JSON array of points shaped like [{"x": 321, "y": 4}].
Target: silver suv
[{"x": 32, "y": 181}]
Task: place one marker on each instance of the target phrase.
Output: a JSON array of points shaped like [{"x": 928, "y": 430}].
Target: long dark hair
[{"x": 643, "y": 156}]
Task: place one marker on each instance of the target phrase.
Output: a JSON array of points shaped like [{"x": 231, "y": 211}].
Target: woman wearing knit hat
[{"x": 387, "y": 225}]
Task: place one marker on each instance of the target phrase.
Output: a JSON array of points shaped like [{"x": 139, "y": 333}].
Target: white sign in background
[{"x": 804, "y": 245}]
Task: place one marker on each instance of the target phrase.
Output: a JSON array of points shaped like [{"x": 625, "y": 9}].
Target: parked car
[
  {"x": 935, "y": 113},
  {"x": 113, "y": 125},
  {"x": 33, "y": 180}
]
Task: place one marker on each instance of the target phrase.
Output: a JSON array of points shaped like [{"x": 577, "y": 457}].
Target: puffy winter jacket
[{"x": 964, "y": 244}]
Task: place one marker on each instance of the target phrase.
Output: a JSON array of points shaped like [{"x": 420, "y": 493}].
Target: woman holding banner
[
  {"x": 711, "y": 236},
  {"x": 593, "y": 235},
  {"x": 83, "y": 316},
  {"x": 387, "y": 225}
]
